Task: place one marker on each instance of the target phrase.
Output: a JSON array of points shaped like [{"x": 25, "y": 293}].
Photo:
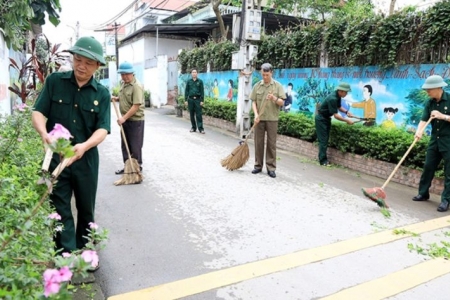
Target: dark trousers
[
  {"x": 195, "y": 110},
  {"x": 134, "y": 132},
  {"x": 323, "y": 127},
  {"x": 80, "y": 179},
  {"x": 432, "y": 160},
  {"x": 271, "y": 128}
]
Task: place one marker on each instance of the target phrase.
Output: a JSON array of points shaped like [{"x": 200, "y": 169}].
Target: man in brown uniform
[
  {"x": 267, "y": 96},
  {"x": 131, "y": 104}
]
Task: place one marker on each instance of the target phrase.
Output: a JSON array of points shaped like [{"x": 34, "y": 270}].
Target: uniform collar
[
  {"x": 262, "y": 82},
  {"x": 133, "y": 82},
  {"x": 71, "y": 75}
]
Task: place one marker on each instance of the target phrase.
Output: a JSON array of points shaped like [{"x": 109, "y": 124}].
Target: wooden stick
[
  {"x": 404, "y": 156},
  {"x": 124, "y": 137}
]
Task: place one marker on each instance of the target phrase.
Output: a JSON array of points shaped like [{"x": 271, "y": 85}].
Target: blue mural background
[{"x": 396, "y": 92}]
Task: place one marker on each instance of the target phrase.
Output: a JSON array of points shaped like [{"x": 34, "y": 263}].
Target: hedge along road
[{"x": 196, "y": 231}]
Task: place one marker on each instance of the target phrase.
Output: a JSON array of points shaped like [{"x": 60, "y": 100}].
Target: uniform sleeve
[
  {"x": 426, "y": 111},
  {"x": 104, "y": 116},
  {"x": 138, "y": 94},
  {"x": 280, "y": 91},
  {"x": 43, "y": 102},
  {"x": 186, "y": 91},
  {"x": 253, "y": 94},
  {"x": 333, "y": 105},
  {"x": 202, "y": 91}
]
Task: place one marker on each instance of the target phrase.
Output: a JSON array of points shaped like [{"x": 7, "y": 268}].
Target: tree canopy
[{"x": 18, "y": 15}]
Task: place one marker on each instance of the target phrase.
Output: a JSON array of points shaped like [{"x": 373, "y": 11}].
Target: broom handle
[
  {"x": 123, "y": 136},
  {"x": 254, "y": 124},
  {"x": 404, "y": 156}
]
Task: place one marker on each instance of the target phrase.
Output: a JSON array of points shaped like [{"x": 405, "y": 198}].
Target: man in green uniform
[
  {"x": 131, "y": 104},
  {"x": 194, "y": 95},
  {"x": 438, "y": 108},
  {"x": 77, "y": 101},
  {"x": 267, "y": 97},
  {"x": 329, "y": 108}
]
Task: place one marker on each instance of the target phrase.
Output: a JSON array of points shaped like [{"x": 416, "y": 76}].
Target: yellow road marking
[
  {"x": 220, "y": 278},
  {"x": 395, "y": 283}
]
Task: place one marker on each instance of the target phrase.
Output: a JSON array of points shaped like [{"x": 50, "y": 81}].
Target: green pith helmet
[
  {"x": 434, "y": 82},
  {"x": 125, "y": 68},
  {"x": 90, "y": 48},
  {"x": 343, "y": 86}
]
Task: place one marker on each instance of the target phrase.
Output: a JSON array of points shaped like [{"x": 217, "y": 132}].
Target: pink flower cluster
[
  {"x": 53, "y": 279},
  {"x": 60, "y": 132},
  {"x": 20, "y": 106},
  {"x": 54, "y": 216},
  {"x": 90, "y": 256},
  {"x": 93, "y": 225}
]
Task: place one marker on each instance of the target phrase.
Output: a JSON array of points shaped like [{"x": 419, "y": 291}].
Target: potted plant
[
  {"x": 180, "y": 106},
  {"x": 147, "y": 97}
]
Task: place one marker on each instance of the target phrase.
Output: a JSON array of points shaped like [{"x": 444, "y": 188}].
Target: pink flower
[
  {"x": 60, "y": 132},
  {"x": 20, "y": 106},
  {"x": 90, "y": 256},
  {"x": 54, "y": 216},
  {"x": 51, "y": 282},
  {"x": 93, "y": 225},
  {"x": 65, "y": 274},
  {"x": 66, "y": 254}
]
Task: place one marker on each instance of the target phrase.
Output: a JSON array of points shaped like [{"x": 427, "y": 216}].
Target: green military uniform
[
  {"x": 82, "y": 111},
  {"x": 438, "y": 148},
  {"x": 194, "y": 94},
  {"x": 327, "y": 109}
]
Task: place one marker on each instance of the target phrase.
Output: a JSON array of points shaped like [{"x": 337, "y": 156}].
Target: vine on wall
[{"x": 407, "y": 37}]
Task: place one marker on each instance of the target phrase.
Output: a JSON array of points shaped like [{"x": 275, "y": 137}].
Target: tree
[
  {"x": 321, "y": 9},
  {"x": 17, "y": 16}
]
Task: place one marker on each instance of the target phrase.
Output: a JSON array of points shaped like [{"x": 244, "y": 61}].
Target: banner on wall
[{"x": 390, "y": 98}]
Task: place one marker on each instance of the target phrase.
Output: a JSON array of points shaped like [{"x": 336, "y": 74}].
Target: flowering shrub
[{"x": 29, "y": 266}]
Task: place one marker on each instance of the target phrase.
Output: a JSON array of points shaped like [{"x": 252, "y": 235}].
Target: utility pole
[
  {"x": 116, "y": 42},
  {"x": 250, "y": 30}
]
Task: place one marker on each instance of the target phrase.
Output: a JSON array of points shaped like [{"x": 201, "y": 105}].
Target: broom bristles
[
  {"x": 238, "y": 157},
  {"x": 130, "y": 177}
]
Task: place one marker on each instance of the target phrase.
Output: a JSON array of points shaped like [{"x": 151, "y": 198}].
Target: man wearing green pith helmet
[
  {"x": 437, "y": 108},
  {"x": 77, "y": 101},
  {"x": 330, "y": 108}
]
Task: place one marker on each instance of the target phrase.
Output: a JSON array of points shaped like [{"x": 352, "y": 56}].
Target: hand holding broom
[
  {"x": 240, "y": 155},
  {"x": 377, "y": 194}
]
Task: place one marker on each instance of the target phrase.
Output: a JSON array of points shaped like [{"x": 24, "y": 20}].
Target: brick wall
[{"x": 381, "y": 169}]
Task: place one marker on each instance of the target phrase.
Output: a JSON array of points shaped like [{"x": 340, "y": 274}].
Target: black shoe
[
  {"x": 118, "y": 172},
  {"x": 256, "y": 171},
  {"x": 443, "y": 207},
  {"x": 202, "y": 131},
  {"x": 421, "y": 198},
  {"x": 192, "y": 130},
  {"x": 272, "y": 174}
]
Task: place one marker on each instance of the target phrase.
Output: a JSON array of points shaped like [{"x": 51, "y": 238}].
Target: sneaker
[
  {"x": 202, "y": 131},
  {"x": 119, "y": 172}
]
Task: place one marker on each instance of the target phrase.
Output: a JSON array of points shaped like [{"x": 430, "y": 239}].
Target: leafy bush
[{"x": 27, "y": 255}]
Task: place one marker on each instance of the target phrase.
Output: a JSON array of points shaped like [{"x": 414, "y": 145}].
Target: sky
[{"x": 89, "y": 13}]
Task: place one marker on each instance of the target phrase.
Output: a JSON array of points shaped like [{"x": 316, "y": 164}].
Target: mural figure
[
  {"x": 215, "y": 89},
  {"x": 288, "y": 102},
  {"x": 368, "y": 105},
  {"x": 389, "y": 123},
  {"x": 230, "y": 90}
]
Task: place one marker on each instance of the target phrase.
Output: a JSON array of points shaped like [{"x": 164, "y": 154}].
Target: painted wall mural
[{"x": 387, "y": 98}]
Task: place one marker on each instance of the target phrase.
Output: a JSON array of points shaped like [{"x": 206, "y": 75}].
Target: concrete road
[{"x": 307, "y": 234}]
